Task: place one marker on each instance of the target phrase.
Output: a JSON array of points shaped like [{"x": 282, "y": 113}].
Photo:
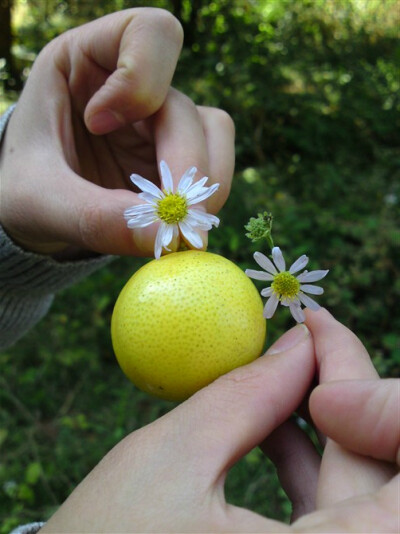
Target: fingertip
[
  {"x": 204, "y": 237},
  {"x": 104, "y": 121},
  {"x": 93, "y": 219},
  {"x": 339, "y": 352},
  {"x": 143, "y": 240},
  {"x": 290, "y": 339},
  {"x": 318, "y": 397},
  {"x": 314, "y": 318}
]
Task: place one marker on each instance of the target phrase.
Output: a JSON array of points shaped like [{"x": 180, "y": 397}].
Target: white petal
[
  {"x": 166, "y": 177},
  {"x": 141, "y": 222},
  {"x": 278, "y": 258},
  {"x": 312, "y": 276},
  {"x": 265, "y": 263},
  {"x": 151, "y": 199},
  {"x": 199, "y": 225},
  {"x": 299, "y": 264},
  {"x": 158, "y": 242},
  {"x": 138, "y": 210},
  {"x": 270, "y": 306},
  {"x": 267, "y": 292},
  {"x": 205, "y": 193},
  {"x": 313, "y": 290},
  {"x": 190, "y": 235},
  {"x": 297, "y": 312},
  {"x": 258, "y": 275},
  {"x": 285, "y": 301},
  {"x": 186, "y": 180},
  {"x": 196, "y": 188},
  {"x": 309, "y": 302},
  {"x": 202, "y": 217},
  {"x": 163, "y": 238},
  {"x": 167, "y": 235},
  {"x": 146, "y": 185},
  {"x": 191, "y": 196}
]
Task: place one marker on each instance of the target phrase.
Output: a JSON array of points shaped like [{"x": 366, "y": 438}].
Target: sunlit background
[{"x": 313, "y": 87}]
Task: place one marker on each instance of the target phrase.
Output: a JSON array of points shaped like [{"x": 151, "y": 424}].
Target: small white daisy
[
  {"x": 172, "y": 209},
  {"x": 286, "y": 288}
]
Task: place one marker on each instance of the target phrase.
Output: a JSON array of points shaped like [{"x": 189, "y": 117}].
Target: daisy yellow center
[
  {"x": 285, "y": 285},
  {"x": 172, "y": 208}
]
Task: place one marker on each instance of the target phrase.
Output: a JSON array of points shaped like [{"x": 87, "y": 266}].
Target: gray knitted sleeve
[
  {"x": 28, "y": 281},
  {"x": 31, "y": 528}
]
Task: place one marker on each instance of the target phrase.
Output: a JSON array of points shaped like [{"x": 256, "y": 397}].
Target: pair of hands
[
  {"x": 97, "y": 107},
  {"x": 169, "y": 476}
]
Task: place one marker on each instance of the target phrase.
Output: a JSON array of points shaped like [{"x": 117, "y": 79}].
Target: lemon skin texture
[{"x": 183, "y": 320}]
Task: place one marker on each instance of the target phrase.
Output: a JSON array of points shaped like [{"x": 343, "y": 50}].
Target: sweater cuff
[
  {"x": 30, "y": 528},
  {"x": 21, "y": 270},
  {"x": 4, "y": 120},
  {"x": 28, "y": 282}
]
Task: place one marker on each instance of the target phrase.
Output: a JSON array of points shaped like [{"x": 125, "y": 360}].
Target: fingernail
[
  {"x": 290, "y": 339},
  {"x": 143, "y": 239},
  {"x": 105, "y": 121}
]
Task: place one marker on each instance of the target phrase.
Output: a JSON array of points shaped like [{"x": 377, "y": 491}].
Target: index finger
[
  {"x": 340, "y": 354},
  {"x": 188, "y": 136},
  {"x": 131, "y": 56},
  {"x": 194, "y": 140}
]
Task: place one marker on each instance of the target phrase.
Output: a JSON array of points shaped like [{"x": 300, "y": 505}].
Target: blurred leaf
[{"x": 32, "y": 473}]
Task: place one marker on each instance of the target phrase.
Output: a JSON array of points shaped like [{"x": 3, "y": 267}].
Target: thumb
[
  {"x": 361, "y": 415},
  {"x": 237, "y": 411},
  {"x": 91, "y": 217}
]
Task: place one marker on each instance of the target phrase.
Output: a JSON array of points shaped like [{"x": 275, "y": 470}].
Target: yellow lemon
[{"x": 183, "y": 320}]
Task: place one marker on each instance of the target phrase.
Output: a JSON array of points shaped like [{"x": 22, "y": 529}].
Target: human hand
[
  {"x": 354, "y": 487},
  {"x": 169, "y": 476},
  {"x": 97, "y": 107}
]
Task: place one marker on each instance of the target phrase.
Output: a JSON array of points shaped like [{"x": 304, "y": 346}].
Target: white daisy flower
[
  {"x": 172, "y": 209},
  {"x": 286, "y": 288}
]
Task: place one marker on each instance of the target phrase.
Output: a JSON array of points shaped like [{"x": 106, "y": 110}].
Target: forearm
[{"x": 28, "y": 281}]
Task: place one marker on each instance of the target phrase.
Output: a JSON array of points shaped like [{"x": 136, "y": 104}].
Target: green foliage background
[{"x": 313, "y": 87}]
